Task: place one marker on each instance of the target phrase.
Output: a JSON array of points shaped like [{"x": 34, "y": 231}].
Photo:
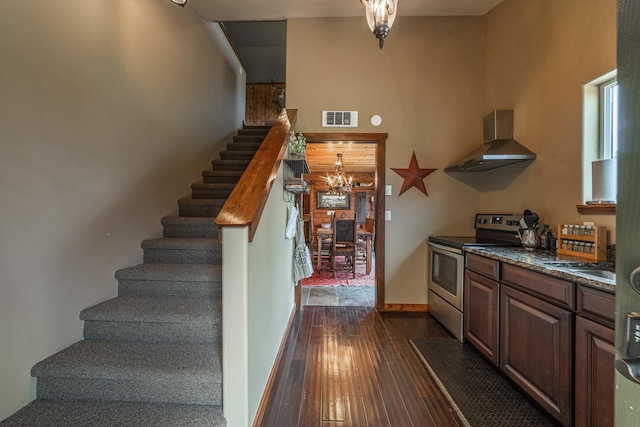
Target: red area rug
[{"x": 343, "y": 277}]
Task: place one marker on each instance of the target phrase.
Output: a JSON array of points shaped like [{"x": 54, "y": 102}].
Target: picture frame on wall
[{"x": 324, "y": 200}]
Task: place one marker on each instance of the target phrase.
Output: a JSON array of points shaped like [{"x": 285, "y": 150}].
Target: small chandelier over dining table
[
  {"x": 380, "y": 17},
  {"x": 339, "y": 183}
]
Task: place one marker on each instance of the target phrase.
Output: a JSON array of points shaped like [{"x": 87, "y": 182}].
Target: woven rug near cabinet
[{"x": 479, "y": 395}]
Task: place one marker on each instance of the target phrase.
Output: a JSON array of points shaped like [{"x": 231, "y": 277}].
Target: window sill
[{"x": 608, "y": 209}]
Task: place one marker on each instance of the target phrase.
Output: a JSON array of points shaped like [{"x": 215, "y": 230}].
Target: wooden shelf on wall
[{"x": 599, "y": 209}]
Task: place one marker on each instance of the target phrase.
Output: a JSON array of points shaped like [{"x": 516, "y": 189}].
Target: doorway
[{"x": 364, "y": 160}]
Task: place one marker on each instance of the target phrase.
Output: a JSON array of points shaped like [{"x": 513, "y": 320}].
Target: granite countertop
[{"x": 550, "y": 263}]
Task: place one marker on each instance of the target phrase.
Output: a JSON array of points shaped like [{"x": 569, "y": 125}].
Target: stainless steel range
[{"x": 447, "y": 262}]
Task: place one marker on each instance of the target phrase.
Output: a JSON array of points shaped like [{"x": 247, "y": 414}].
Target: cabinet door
[
  {"x": 481, "y": 299},
  {"x": 595, "y": 355},
  {"x": 535, "y": 350}
]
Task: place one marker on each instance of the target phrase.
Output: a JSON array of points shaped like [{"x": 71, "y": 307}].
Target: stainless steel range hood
[{"x": 498, "y": 148}]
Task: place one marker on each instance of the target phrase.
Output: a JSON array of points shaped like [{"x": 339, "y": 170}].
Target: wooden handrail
[{"x": 247, "y": 200}]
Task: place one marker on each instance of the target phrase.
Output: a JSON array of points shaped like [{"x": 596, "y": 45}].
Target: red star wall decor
[{"x": 413, "y": 176}]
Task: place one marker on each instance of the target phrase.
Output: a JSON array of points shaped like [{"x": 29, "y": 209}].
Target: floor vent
[{"x": 340, "y": 119}]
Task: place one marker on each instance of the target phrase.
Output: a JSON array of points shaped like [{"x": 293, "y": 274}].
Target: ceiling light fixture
[
  {"x": 180, "y": 2},
  {"x": 339, "y": 184},
  {"x": 380, "y": 17}
]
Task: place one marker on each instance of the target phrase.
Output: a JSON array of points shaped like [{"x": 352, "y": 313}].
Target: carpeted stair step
[
  {"x": 253, "y": 132},
  {"x": 200, "y": 207},
  {"x": 176, "y": 250},
  {"x": 173, "y": 320},
  {"x": 230, "y": 165},
  {"x": 177, "y": 226},
  {"x": 245, "y": 146},
  {"x": 49, "y": 413},
  {"x": 170, "y": 280},
  {"x": 220, "y": 176},
  {"x": 132, "y": 371},
  {"x": 236, "y": 155},
  {"x": 262, "y": 131},
  {"x": 201, "y": 190},
  {"x": 247, "y": 139}
]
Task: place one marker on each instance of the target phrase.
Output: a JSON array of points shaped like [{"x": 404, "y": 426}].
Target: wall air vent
[{"x": 348, "y": 119}]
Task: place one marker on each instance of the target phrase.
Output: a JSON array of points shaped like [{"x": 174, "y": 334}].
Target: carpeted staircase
[{"x": 152, "y": 355}]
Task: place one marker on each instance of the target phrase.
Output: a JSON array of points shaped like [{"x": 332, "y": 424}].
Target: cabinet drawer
[
  {"x": 596, "y": 305},
  {"x": 557, "y": 291},
  {"x": 485, "y": 266}
]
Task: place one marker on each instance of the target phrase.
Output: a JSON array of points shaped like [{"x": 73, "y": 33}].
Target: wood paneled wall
[
  {"x": 317, "y": 182},
  {"x": 262, "y": 102},
  {"x": 321, "y": 216}
]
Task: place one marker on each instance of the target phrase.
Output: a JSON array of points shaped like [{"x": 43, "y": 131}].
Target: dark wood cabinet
[
  {"x": 481, "y": 299},
  {"x": 595, "y": 354},
  {"x": 594, "y": 358},
  {"x": 553, "y": 338},
  {"x": 536, "y": 340}
]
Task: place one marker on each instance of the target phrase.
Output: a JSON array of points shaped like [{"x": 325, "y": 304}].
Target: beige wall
[
  {"x": 426, "y": 84},
  {"x": 109, "y": 110},
  {"x": 432, "y": 83},
  {"x": 538, "y": 55}
]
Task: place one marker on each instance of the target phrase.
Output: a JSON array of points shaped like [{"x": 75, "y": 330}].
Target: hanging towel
[
  {"x": 302, "y": 265},
  {"x": 290, "y": 231}
]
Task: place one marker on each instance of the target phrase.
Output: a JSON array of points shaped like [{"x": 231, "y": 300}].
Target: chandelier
[
  {"x": 380, "y": 17},
  {"x": 339, "y": 184}
]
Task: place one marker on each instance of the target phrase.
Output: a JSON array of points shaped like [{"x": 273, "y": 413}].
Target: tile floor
[{"x": 363, "y": 296}]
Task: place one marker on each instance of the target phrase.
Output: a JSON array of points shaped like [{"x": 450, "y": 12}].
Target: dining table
[{"x": 324, "y": 235}]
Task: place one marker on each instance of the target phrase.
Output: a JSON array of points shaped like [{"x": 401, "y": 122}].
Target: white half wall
[{"x": 258, "y": 300}]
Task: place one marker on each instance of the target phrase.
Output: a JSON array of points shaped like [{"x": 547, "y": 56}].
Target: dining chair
[
  {"x": 369, "y": 227},
  {"x": 325, "y": 245},
  {"x": 344, "y": 244}
]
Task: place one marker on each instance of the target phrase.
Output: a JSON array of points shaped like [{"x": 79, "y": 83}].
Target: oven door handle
[{"x": 445, "y": 248}]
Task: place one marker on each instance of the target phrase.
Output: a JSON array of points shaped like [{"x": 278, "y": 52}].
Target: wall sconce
[
  {"x": 380, "y": 17},
  {"x": 180, "y": 2}
]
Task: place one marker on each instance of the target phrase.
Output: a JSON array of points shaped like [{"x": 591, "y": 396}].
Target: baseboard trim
[
  {"x": 257, "y": 421},
  {"x": 419, "y": 308}
]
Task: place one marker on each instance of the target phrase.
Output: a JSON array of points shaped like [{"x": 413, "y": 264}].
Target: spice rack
[{"x": 595, "y": 241}]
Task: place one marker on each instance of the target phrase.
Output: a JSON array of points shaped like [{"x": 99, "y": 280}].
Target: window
[
  {"x": 600, "y": 137},
  {"x": 608, "y": 141}
]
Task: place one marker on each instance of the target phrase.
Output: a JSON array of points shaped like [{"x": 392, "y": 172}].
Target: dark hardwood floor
[{"x": 353, "y": 366}]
